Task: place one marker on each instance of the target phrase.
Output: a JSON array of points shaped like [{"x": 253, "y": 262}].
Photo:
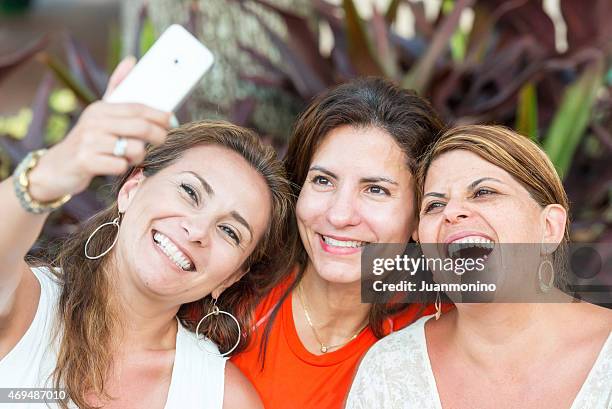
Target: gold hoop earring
[
  {"x": 116, "y": 221},
  {"x": 438, "y": 305},
  {"x": 216, "y": 311},
  {"x": 546, "y": 286}
]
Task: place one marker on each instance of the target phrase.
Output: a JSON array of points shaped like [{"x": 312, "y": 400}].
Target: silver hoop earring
[
  {"x": 546, "y": 286},
  {"x": 216, "y": 311},
  {"x": 438, "y": 305},
  {"x": 115, "y": 223}
]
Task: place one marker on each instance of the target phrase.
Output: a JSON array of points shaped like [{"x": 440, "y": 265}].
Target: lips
[
  {"x": 340, "y": 246},
  {"x": 468, "y": 245},
  {"x": 343, "y": 243},
  {"x": 173, "y": 252}
]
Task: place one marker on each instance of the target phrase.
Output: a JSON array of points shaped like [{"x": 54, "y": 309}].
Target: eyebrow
[
  {"x": 373, "y": 179},
  {"x": 209, "y": 190},
  {"x": 238, "y": 217},
  {"x": 479, "y": 181},
  {"x": 470, "y": 187},
  {"x": 235, "y": 215}
]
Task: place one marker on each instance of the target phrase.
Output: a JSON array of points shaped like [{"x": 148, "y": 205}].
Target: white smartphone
[{"x": 167, "y": 73}]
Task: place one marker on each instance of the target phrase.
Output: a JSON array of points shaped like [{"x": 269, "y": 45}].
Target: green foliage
[
  {"x": 16, "y": 126},
  {"x": 147, "y": 36},
  {"x": 572, "y": 118},
  {"x": 527, "y": 111}
]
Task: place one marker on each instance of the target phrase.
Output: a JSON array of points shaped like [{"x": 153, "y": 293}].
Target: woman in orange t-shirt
[{"x": 351, "y": 161}]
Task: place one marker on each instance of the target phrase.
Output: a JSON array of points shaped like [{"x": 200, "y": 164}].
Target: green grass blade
[
  {"x": 527, "y": 112},
  {"x": 572, "y": 117}
]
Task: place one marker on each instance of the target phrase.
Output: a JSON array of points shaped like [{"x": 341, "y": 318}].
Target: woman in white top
[
  {"x": 135, "y": 312},
  {"x": 491, "y": 184}
]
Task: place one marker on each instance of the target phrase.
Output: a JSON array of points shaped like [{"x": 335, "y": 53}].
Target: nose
[
  {"x": 455, "y": 211},
  {"x": 343, "y": 210},
  {"x": 197, "y": 229}
]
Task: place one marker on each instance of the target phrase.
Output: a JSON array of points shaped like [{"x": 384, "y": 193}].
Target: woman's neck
[
  {"x": 335, "y": 309},
  {"x": 489, "y": 333},
  {"x": 143, "y": 323}
]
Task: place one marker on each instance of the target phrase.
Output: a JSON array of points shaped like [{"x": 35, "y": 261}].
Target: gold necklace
[{"x": 324, "y": 348}]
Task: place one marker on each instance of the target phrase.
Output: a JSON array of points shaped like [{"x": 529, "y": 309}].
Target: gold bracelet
[{"x": 21, "y": 183}]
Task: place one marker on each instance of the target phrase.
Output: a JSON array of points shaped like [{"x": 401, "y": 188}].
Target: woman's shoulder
[
  {"x": 240, "y": 392},
  {"x": 189, "y": 343},
  {"x": 398, "y": 348}
]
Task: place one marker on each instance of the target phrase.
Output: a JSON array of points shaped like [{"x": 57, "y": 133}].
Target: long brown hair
[
  {"x": 517, "y": 155},
  {"x": 366, "y": 102},
  {"x": 88, "y": 317}
]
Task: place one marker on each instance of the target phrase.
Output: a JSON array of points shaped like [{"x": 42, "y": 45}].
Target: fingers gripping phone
[{"x": 167, "y": 73}]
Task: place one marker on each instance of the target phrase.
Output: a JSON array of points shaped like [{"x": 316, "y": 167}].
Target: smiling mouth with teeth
[
  {"x": 172, "y": 252},
  {"x": 472, "y": 247},
  {"x": 343, "y": 243}
]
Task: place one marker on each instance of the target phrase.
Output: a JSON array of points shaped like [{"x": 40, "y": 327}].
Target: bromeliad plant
[{"x": 505, "y": 70}]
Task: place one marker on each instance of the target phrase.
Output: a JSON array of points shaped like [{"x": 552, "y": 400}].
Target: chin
[
  {"x": 339, "y": 273},
  {"x": 161, "y": 282}
]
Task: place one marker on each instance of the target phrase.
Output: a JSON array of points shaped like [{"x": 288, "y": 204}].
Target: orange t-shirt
[{"x": 293, "y": 377}]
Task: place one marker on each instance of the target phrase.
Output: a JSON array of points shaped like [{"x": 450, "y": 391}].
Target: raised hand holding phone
[{"x": 111, "y": 135}]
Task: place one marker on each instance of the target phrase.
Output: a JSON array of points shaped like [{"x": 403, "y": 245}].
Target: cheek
[
  {"x": 309, "y": 208},
  {"x": 392, "y": 225},
  {"x": 516, "y": 221},
  {"x": 427, "y": 229}
]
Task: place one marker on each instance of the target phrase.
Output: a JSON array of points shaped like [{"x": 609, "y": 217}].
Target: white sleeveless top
[
  {"x": 396, "y": 374},
  {"x": 197, "y": 377}
]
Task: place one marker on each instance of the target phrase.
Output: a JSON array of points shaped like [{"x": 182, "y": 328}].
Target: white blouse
[
  {"x": 396, "y": 374},
  {"x": 197, "y": 377}
]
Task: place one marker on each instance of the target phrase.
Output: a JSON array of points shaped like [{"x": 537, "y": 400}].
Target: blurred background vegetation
[{"x": 543, "y": 68}]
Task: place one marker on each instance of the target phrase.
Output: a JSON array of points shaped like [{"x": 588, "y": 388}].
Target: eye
[
  {"x": 433, "y": 206},
  {"x": 193, "y": 194},
  {"x": 378, "y": 190},
  {"x": 231, "y": 233},
  {"x": 483, "y": 192},
  {"x": 321, "y": 180}
]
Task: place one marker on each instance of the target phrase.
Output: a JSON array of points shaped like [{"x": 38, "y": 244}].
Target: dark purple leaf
[
  {"x": 302, "y": 41},
  {"x": 140, "y": 23},
  {"x": 242, "y": 110},
  {"x": 84, "y": 68},
  {"x": 84, "y": 205},
  {"x": 194, "y": 22},
  {"x": 359, "y": 45},
  {"x": 263, "y": 61},
  {"x": 10, "y": 61},
  {"x": 270, "y": 81},
  {"x": 421, "y": 24},
  {"x": 587, "y": 25},
  {"x": 527, "y": 18},
  {"x": 13, "y": 149},
  {"x": 383, "y": 45},
  {"x": 35, "y": 138},
  {"x": 83, "y": 94},
  {"x": 305, "y": 78},
  {"x": 421, "y": 74},
  {"x": 391, "y": 13}
]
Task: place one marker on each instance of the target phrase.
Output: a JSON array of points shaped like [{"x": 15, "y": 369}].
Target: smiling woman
[
  {"x": 351, "y": 161},
  {"x": 186, "y": 246},
  {"x": 490, "y": 183}
]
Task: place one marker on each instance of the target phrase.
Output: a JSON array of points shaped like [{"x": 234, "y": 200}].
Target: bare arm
[
  {"x": 67, "y": 168},
  {"x": 239, "y": 392}
]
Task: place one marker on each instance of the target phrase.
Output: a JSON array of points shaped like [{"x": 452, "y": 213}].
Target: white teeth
[
  {"x": 173, "y": 253},
  {"x": 469, "y": 241},
  {"x": 341, "y": 243}
]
